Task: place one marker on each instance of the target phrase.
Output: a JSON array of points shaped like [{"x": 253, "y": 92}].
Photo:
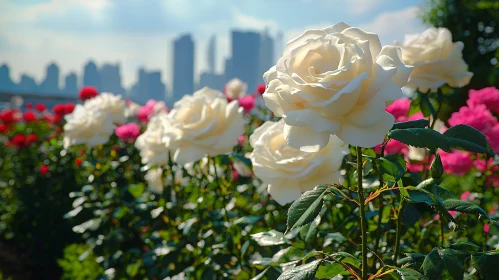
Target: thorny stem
[
  {"x": 381, "y": 204},
  {"x": 442, "y": 231},
  {"x": 224, "y": 201},
  {"x": 398, "y": 233},
  {"x": 363, "y": 221}
]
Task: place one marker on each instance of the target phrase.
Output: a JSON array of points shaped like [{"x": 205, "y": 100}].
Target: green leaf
[
  {"x": 312, "y": 230},
  {"x": 269, "y": 238},
  {"x": 436, "y": 168},
  {"x": 287, "y": 255},
  {"x": 424, "y": 196},
  {"x": 242, "y": 159},
  {"x": 132, "y": 269},
  {"x": 306, "y": 208},
  {"x": 336, "y": 237},
  {"x": 422, "y": 123},
  {"x": 487, "y": 264},
  {"x": 405, "y": 273},
  {"x": 302, "y": 272},
  {"x": 465, "y": 246},
  {"x": 346, "y": 258},
  {"x": 428, "y": 106},
  {"x": 421, "y": 138},
  {"x": 330, "y": 270},
  {"x": 443, "y": 264},
  {"x": 261, "y": 274},
  {"x": 463, "y": 206},
  {"x": 393, "y": 167},
  {"x": 466, "y": 138},
  {"x": 136, "y": 190}
]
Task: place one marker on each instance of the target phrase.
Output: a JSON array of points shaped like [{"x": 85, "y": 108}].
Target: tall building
[
  {"x": 279, "y": 45},
  {"x": 71, "y": 84},
  {"x": 27, "y": 84},
  {"x": 246, "y": 57},
  {"x": 156, "y": 87},
  {"x": 183, "y": 67},
  {"x": 50, "y": 84},
  {"x": 211, "y": 55},
  {"x": 228, "y": 70},
  {"x": 111, "y": 79},
  {"x": 266, "y": 55},
  {"x": 91, "y": 76},
  {"x": 6, "y": 83},
  {"x": 212, "y": 80},
  {"x": 148, "y": 86}
]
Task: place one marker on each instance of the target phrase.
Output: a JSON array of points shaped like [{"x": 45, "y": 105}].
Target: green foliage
[
  {"x": 306, "y": 208},
  {"x": 76, "y": 269}
]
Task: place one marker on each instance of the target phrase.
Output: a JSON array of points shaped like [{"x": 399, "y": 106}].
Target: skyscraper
[
  {"x": 228, "y": 70},
  {"x": 279, "y": 45},
  {"x": 6, "y": 83},
  {"x": 266, "y": 55},
  {"x": 212, "y": 46},
  {"x": 91, "y": 76},
  {"x": 50, "y": 84},
  {"x": 156, "y": 87},
  {"x": 183, "y": 67},
  {"x": 27, "y": 84},
  {"x": 246, "y": 57},
  {"x": 70, "y": 84},
  {"x": 111, "y": 79},
  {"x": 148, "y": 86}
]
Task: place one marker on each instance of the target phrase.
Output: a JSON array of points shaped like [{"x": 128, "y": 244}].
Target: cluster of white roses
[
  {"x": 331, "y": 87},
  {"x": 94, "y": 122}
]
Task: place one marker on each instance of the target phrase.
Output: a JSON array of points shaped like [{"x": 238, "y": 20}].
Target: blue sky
[{"x": 139, "y": 33}]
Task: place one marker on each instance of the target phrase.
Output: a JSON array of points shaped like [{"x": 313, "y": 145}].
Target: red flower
[
  {"x": 87, "y": 92},
  {"x": 19, "y": 140},
  {"x": 3, "y": 128},
  {"x": 29, "y": 105},
  {"x": 9, "y": 116},
  {"x": 31, "y": 138},
  {"x": 40, "y": 107},
  {"x": 261, "y": 88},
  {"x": 247, "y": 102},
  {"x": 44, "y": 169},
  {"x": 59, "y": 109},
  {"x": 68, "y": 108},
  {"x": 78, "y": 162},
  {"x": 29, "y": 116}
]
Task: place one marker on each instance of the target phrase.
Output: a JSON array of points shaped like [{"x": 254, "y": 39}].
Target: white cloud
[
  {"x": 359, "y": 7},
  {"x": 241, "y": 20}
]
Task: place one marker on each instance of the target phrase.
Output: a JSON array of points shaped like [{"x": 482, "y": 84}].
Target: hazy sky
[{"x": 139, "y": 33}]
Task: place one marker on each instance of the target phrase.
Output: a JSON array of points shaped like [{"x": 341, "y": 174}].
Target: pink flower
[
  {"x": 128, "y": 132},
  {"x": 467, "y": 195},
  {"x": 488, "y": 96},
  {"x": 458, "y": 162},
  {"x": 247, "y": 103},
  {"x": 478, "y": 117},
  {"x": 483, "y": 165},
  {"x": 393, "y": 147},
  {"x": 417, "y": 116},
  {"x": 493, "y": 138},
  {"x": 241, "y": 139},
  {"x": 399, "y": 109},
  {"x": 492, "y": 181},
  {"x": 418, "y": 166},
  {"x": 150, "y": 109},
  {"x": 486, "y": 228}
]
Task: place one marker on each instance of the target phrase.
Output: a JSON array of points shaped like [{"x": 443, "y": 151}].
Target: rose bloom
[
  {"x": 111, "y": 105},
  {"x": 260, "y": 88},
  {"x": 29, "y": 116},
  {"x": 202, "y": 124},
  {"x": 128, "y": 132},
  {"x": 458, "y": 163},
  {"x": 235, "y": 89},
  {"x": 150, "y": 109},
  {"x": 31, "y": 138},
  {"x": 337, "y": 81},
  {"x": 18, "y": 140},
  {"x": 10, "y": 116},
  {"x": 59, "y": 109},
  {"x": 78, "y": 162},
  {"x": 68, "y": 108},
  {"x": 131, "y": 108},
  {"x": 29, "y": 105},
  {"x": 247, "y": 103},
  {"x": 89, "y": 127},
  {"x": 44, "y": 169},
  {"x": 154, "y": 179},
  {"x": 436, "y": 60},
  {"x": 288, "y": 171},
  {"x": 393, "y": 147},
  {"x": 150, "y": 143},
  {"x": 478, "y": 117},
  {"x": 488, "y": 96},
  {"x": 88, "y": 92},
  {"x": 493, "y": 138},
  {"x": 40, "y": 107},
  {"x": 399, "y": 109},
  {"x": 3, "y": 128}
]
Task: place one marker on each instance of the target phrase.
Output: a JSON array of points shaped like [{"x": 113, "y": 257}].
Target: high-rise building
[
  {"x": 70, "y": 84},
  {"x": 6, "y": 83},
  {"x": 50, "y": 84},
  {"x": 156, "y": 87},
  {"x": 211, "y": 80},
  {"x": 279, "y": 45},
  {"x": 148, "y": 86},
  {"x": 27, "y": 84},
  {"x": 228, "y": 70},
  {"x": 212, "y": 46},
  {"x": 246, "y": 57},
  {"x": 183, "y": 67},
  {"x": 266, "y": 55},
  {"x": 91, "y": 76},
  {"x": 111, "y": 79}
]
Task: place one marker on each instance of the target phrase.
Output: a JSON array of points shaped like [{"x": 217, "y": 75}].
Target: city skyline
[{"x": 252, "y": 53}]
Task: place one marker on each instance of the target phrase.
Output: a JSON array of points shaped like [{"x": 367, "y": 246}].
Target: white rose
[
  {"x": 242, "y": 169},
  {"x": 150, "y": 143},
  {"x": 131, "y": 109},
  {"x": 154, "y": 179},
  {"x": 337, "y": 81},
  {"x": 89, "y": 127},
  {"x": 110, "y": 104},
  {"x": 235, "y": 89},
  {"x": 202, "y": 124},
  {"x": 436, "y": 60},
  {"x": 288, "y": 171}
]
